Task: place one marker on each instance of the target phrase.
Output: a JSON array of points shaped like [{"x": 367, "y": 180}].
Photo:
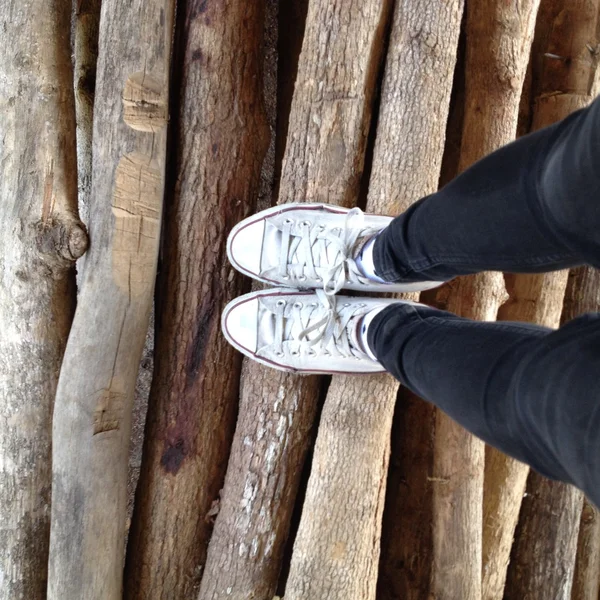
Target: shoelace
[
  {"x": 331, "y": 250},
  {"x": 328, "y": 322}
]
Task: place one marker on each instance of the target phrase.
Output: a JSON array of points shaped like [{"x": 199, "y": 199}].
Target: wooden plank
[{"x": 92, "y": 417}]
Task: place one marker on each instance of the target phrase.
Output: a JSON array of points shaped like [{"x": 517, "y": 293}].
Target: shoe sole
[
  {"x": 392, "y": 288},
  {"x": 268, "y": 363}
]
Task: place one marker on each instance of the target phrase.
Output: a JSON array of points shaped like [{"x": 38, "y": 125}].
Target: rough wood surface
[
  {"x": 498, "y": 38},
  {"x": 559, "y": 87},
  {"x": 586, "y": 581},
  {"x": 336, "y": 553},
  {"x": 92, "y": 416},
  {"x": 323, "y": 161},
  {"x": 86, "y": 28},
  {"x": 542, "y": 561},
  {"x": 40, "y": 239},
  {"x": 219, "y": 140}
]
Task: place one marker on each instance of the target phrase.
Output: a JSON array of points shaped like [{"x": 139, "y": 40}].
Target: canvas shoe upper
[
  {"x": 309, "y": 246},
  {"x": 302, "y": 331}
]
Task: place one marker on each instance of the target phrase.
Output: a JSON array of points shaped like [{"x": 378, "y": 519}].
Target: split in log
[
  {"x": 92, "y": 416},
  {"x": 586, "y": 580},
  {"x": 336, "y": 552},
  {"x": 558, "y": 89},
  {"x": 220, "y": 136},
  {"x": 323, "y": 161},
  {"x": 40, "y": 239}
]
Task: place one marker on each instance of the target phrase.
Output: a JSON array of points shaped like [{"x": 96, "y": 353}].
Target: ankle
[{"x": 365, "y": 260}]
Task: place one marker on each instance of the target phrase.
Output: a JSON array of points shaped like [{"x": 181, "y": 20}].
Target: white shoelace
[
  {"x": 323, "y": 253},
  {"x": 317, "y": 328}
]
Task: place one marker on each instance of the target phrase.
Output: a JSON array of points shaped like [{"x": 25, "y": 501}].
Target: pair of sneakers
[{"x": 310, "y": 252}]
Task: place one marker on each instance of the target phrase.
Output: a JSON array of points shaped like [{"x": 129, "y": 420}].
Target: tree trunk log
[
  {"x": 40, "y": 239},
  {"x": 586, "y": 580},
  {"x": 220, "y": 138},
  {"x": 498, "y": 42},
  {"x": 336, "y": 553},
  {"x": 92, "y": 416},
  {"x": 559, "y": 89},
  {"x": 323, "y": 161},
  {"x": 542, "y": 561},
  {"x": 86, "y": 28}
]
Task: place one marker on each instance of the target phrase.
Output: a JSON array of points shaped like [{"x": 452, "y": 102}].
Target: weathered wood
[
  {"x": 220, "y": 139},
  {"x": 336, "y": 553},
  {"x": 586, "y": 581},
  {"x": 92, "y": 416},
  {"x": 542, "y": 561},
  {"x": 559, "y": 88},
  {"x": 40, "y": 239},
  {"x": 406, "y": 537},
  {"x": 86, "y": 29},
  {"x": 498, "y": 42},
  {"x": 323, "y": 161}
]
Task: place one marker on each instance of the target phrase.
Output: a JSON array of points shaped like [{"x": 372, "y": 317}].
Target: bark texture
[
  {"x": 323, "y": 161},
  {"x": 86, "y": 27},
  {"x": 336, "y": 553},
  {"x": 586, "y": 580},
  {"x": 40, "y": 239},
  {"x": 92, "y": 416},
  {"x": 499, "y": 37},
  {"x": 219, "y": 141},
  {"x": 559, "y": 87},
  {"x": 542, "y": 561}
]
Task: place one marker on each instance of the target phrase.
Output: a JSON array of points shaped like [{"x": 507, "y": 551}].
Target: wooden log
[
  {"x": 336, "y": 553},
  {"x": 323, "y": 161},
  {"x": 499, "y": 37},
  {"x": 559, "y": 89},
  {"x": 40, "y": 239},
  {"x": 542, "y": 561},
  {"x": 92, "y": 416},
  {"x": 86, "y": 29},
  {"x": 586, "y": 580},
  {"x": 220, "y": 138}
]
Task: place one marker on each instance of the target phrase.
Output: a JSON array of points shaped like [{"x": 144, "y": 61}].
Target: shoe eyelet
[
  {"x": 319, "y": 279},
  {"x": 279, "y": 354},
  {"x": 288, "y": 222},
  {"x": 313, "y": 304},
  {"x": 326, "y": 353},
  {"x": 295, "y": 353},
  {"x": 298, "y": 305},
  {"x": 286, "y": 277},
  {"x": 347, "y": 304},
  {"x": 311, "y": 353},
  {"x": 280, "y": 302},
  {"x": 362, "y": 306},
  {"x": 305, "y": 223},
  {"x": 302, "y": 278}
]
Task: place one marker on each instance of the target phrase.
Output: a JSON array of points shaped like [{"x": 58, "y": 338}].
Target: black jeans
[{"x": 532, "y": 392}]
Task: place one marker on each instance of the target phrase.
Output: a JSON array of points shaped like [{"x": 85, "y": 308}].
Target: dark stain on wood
[
  {"x": 173, "y": 456},
  {"x": 204, "y": 325}
]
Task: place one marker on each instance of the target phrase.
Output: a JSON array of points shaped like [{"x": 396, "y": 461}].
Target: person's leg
[
  {"x": 532, "y": 392},
  {"x": 532, "y": 206}
]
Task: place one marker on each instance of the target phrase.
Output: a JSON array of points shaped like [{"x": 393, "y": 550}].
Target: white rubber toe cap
[
  {"x": 244, "y": 247},
  {"x": 240, "y": 324}
]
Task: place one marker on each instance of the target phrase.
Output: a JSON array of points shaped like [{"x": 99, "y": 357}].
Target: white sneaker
[
  {"x": 310, "y": 246},
  {"x": 302, "y": 331}
]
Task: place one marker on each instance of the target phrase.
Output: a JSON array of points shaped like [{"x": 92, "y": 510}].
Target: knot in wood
[{"x": 61, "y": 242}]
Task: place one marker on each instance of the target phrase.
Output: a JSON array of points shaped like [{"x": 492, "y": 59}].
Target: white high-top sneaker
[
  {"x": 309, "y": 246},
  {"x": 302, "y": 331}
]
